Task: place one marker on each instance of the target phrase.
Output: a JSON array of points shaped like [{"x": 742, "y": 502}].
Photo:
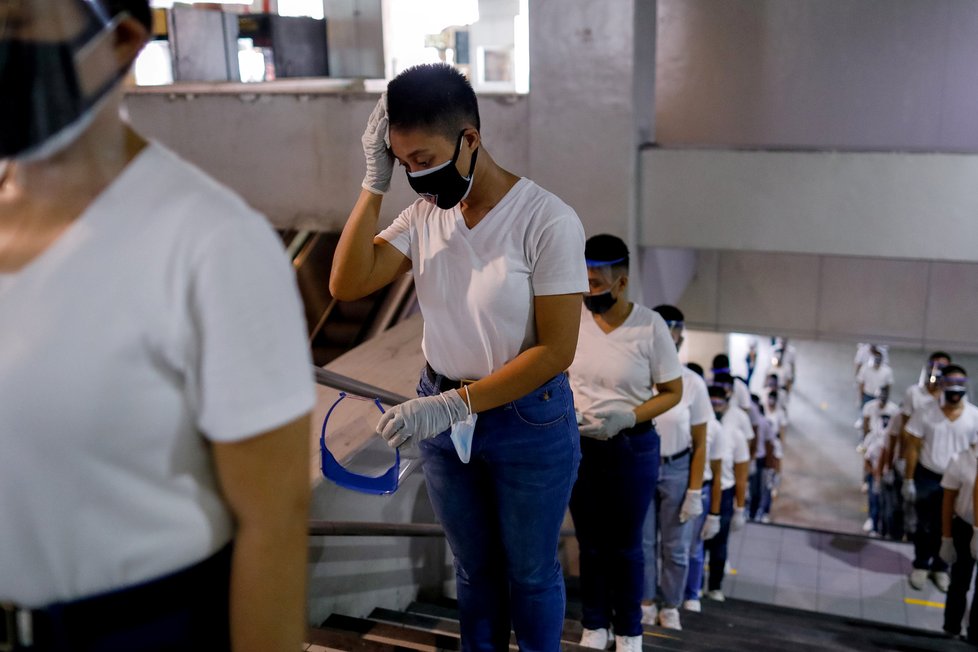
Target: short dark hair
[
  {"x": 695, "y": 368},
  {"x": 724, "y": 379},
  {"x": 721, "y": 361},
  {"x": 939, "y": 354},
  {"x": 434, "y": 97},
  {"x": 954, "y": 369},
  {"x": 605, "y": 247},
  {"x": 138, "y": 9},
  {"x": 669, "y": 313}
]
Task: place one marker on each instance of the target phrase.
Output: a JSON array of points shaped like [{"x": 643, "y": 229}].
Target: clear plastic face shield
[
  {"x": 56, "y": 66},
  {"x": 930, "y": 375},
  {"x": 955, "y": 388},
  {"x": 677, "y": 330},
  {"x": 719, "y": 405},
  {"x": 603, "y": 284}
]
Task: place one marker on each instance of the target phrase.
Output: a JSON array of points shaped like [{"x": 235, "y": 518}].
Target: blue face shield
[{"x": 381, "y": 485}]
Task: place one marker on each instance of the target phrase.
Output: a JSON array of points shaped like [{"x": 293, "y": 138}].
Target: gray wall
[
  {"x": 847, "y": 74},
  {"x": 916, "y": 304}
]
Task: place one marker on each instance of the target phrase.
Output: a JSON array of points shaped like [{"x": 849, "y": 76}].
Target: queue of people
[{"x": 920, "y": 463}]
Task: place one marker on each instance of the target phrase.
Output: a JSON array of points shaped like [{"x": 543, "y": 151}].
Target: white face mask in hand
[{"x": 463, "y": 431}]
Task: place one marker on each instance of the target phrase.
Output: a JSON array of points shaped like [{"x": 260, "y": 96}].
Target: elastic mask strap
[{"x": 451, "y": 161}]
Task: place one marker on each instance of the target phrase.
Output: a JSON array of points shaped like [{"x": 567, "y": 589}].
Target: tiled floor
[{"x": 831, "y": 573}]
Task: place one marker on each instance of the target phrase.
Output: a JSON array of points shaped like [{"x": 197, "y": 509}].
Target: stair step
[{"x": 392, "y": 636}]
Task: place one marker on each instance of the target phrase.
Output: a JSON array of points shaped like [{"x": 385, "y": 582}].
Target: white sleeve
[
  {"x": 861, "y": 376},
  {"x": 664, "y": 365},
  {"x": 915, "y": 426},
  {"x": 888, "y": 378},
  {"x": 700, "y": 408},
  {"x": 741, "y": 450},
  {"x": 398, "y": 234},
  {"x": 715, "y": 449},
  {"x": 249, "y": 369},
  {"x": 907, "y": 406},
  {"x": 557, "y": 261},
  {"x": 952, "y": 477}
]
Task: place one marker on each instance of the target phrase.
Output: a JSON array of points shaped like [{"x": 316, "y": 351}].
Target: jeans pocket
[
  {"x": 543, "y": 407},
  {"x": 644, "y": 443}
]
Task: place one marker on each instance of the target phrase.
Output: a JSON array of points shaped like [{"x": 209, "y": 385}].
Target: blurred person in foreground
[{"x": 153, "y": 366}]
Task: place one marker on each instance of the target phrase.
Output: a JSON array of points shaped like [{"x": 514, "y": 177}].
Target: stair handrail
[{"x": 329, "y": 378}]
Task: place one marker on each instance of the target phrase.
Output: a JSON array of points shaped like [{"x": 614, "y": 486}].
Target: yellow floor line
[
  {"x": 924, "y": 603},
  {"x": 732, "y": 571}
]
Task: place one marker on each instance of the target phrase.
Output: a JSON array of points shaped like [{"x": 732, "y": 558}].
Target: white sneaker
[
  {"x": 918, "y": 577},
  {"x": 864, "y": 488},
  {"x": 628, "y": 643},
  {"x": 717, "y": 595},
  {"x": 595, "y": 638},
  {"x": 868, "y": 525},
  {"x": 650, "y": 614},
  {"x": 693, "y": 605},
  {"x": 941, "y": 580},
  {"x": 766, "y": 518},
  {"x": 669, "y": 618}
]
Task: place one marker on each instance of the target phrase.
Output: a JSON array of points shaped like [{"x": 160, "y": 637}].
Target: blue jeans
[
  {"x": 694, "y": 573},
  {"x": 756, "y": 498},
  {"x": 961, "y": 573},
  {"x": 873, "y": 504},
  {"x": 502, "y": 514},
  {"x": 662, "y": 523},
  {"x": 608, "y": 504},
  {"x": 717, "y": 546},
  {"x": 927, "y": 538}
]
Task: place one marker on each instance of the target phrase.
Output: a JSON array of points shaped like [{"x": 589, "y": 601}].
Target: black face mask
[
  {"x": 599, "y": 303},
  {"x": 40, "y": 94},
  {"x": 953, "y": 397},
  {"x": 443, "y": 186}
]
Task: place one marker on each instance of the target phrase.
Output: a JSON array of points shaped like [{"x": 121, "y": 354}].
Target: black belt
[
  {"x": 666, "y": 459},
  {"x": 190, "y": 597},
  {"x": 442, "y": 383}
]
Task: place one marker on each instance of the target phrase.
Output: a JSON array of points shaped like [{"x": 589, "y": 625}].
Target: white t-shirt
[
  {"x": 476, "y": 286},
  {"x": 880, "y": 415},
  {"x": 714, "y": 450},
  {"x": 618, "y": 370},
  {"x": 694, "y": 409},
  {"x": 943, "y": 438},
  {"x": 733, "y": 450},
  {"x": 873, "y": 378},
  {"x": 916, "y": 397},
  {"x": 736, "y": 418},
  {"x": 165, "y": 318},
  {"x": 960, "y": 476},
  {"x": 767, "y": 431},
  {"x": 874, "y": 443}
]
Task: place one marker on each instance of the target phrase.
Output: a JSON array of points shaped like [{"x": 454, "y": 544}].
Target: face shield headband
[{"x": 42, "y": 104}]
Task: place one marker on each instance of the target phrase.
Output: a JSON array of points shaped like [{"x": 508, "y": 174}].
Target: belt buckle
[{"x": 8, "y": 616}]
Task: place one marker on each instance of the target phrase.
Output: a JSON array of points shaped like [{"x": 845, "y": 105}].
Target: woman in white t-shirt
[
  {"x": 625, "y": 374},
  {"x": 153, "y": 364},
  {"x": 498, "y": 267}
]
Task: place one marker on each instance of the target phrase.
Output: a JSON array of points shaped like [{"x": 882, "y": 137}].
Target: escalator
[{"x": 335, "y": 327}]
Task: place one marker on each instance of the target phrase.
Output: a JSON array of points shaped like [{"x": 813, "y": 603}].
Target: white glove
[
  {"x": 380, "y": 160},
  {"x": 974, "y": 543},
  {"x": 948, "y": 554},
  {"x": 422, "y": 418},
  {"x": 739, "y": 519},
  {"x": 692, "y": 505},
  {"x": 609, "y": 423},
  {"x": 711, "y": 527},
  {"x": 909, "y": 491}
]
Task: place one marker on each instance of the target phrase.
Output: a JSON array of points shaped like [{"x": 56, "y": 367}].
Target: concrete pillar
[{"x": 584, "y": 121}]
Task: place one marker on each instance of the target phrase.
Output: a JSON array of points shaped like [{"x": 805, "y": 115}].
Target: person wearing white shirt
[
  {"x": 937, "y": 433},
  {"x": 957, "y": 531},
  {"x": 767, "y": 459},
  {"x": 877, "y": 416},
  {"x": 153, "y": 365},
  {"x": 892, "y": 463},
  {"x": 625, "y": 374},
  {"x": 864, "y": 355},
  {"x": 498, "y": 266},
  {"x": 677, "y": 500},
  {"x": 728, "y": 513},
  {"x": 873, "y": 376}
]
